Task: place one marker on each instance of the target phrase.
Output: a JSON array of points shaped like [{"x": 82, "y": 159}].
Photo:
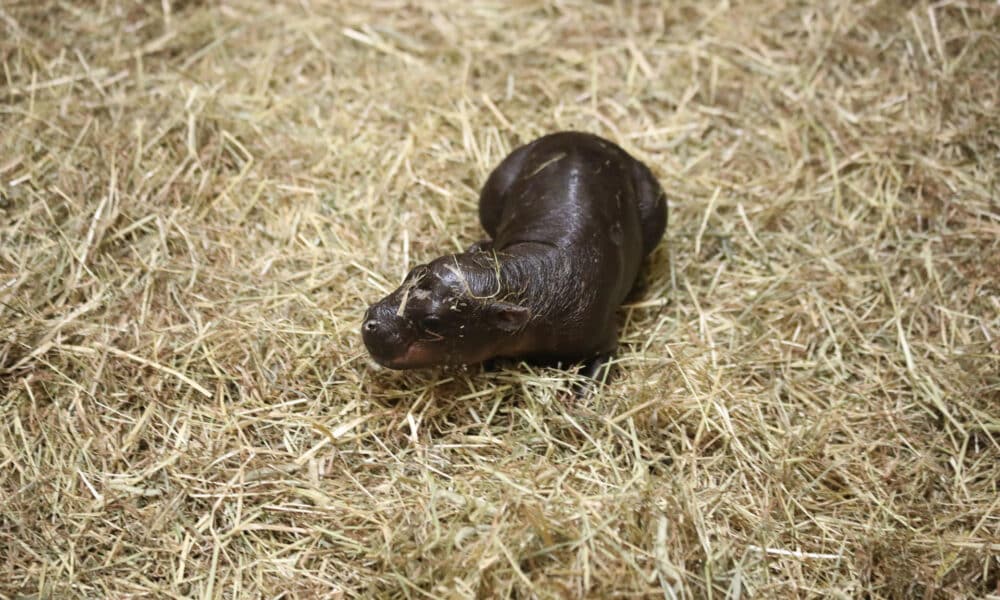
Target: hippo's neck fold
[{"x": 527, "y": 267}]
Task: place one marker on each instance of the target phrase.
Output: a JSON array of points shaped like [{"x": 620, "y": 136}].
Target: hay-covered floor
[{"x": 198, "y": 200}]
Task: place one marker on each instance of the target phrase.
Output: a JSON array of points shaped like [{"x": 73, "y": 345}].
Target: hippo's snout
[{"x": 383, "y": 334}]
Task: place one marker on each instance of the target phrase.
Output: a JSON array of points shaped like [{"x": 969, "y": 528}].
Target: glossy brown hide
[{"x": 570, "y": 217}]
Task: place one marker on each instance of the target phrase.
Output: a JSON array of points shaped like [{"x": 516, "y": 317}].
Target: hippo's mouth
[{"x": 416, "y": 355}]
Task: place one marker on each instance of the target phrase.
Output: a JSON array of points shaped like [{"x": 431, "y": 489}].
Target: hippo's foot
[{"x": 596, "y": 372}]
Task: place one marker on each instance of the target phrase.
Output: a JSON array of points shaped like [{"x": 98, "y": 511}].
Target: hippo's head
[{"x": 449, "y": 311}]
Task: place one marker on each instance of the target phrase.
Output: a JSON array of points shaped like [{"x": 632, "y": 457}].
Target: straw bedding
[{"x": 198, "y": 200}]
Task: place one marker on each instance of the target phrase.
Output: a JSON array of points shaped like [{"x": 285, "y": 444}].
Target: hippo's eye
[
  {"x": 426, "y": 281},
  {"x": 430, "y": 322}
]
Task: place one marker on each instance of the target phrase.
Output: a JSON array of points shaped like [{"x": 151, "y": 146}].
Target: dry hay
[{"x": 198, "y": 201}]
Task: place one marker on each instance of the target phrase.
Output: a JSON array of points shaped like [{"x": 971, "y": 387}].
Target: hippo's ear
[{"x": 506, "y": 316}]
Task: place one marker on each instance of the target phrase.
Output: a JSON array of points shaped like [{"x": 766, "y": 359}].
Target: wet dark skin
[{"x": 570, "y": 218}]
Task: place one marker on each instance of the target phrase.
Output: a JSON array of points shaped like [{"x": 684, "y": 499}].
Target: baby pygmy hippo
[{"x": 570, "y": 217}]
